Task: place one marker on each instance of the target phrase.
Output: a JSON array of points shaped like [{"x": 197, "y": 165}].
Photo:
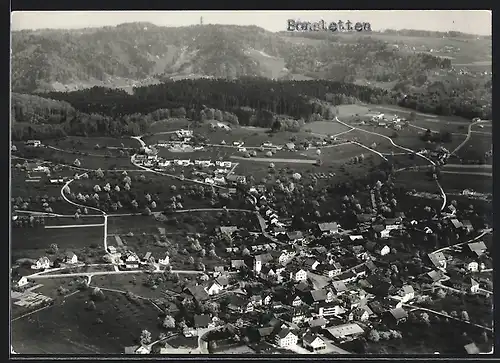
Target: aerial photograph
[{"x": 251, "y": 182}]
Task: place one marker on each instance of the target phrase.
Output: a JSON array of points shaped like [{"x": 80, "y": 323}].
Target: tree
[
  {"x": 425, "y": 318},
  {"x": 97, "y": 188},
  {"x": 77, "y": 163},
  {"x": 464, "y": 315},
  {"x": 91, "y": 305},
  {"x": 440, "y": 294},
  {"x": 145, "y": 337},
  {"x": 191, "y": 260},
  {"x": 54, "y": 248},
  {"x": 169, "y": 322},
  {"x": 99, "y": 173},
  {"x": 374, "y": 335}
]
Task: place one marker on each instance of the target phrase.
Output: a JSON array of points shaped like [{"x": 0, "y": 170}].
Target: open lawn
[
  {"x": 382, "y": 145},
  {"x": 352, "y": 110},
  {"x": 476, "y": 147},
  {"x": 70, "y": 328},
  {"x": 459, "y": 182},
  {"x": 326, "y": 127},
  {"x": 417, "y": 180},
  {"x": 168, "y": 125},
  {"x": 40, "y": 238},
  {"x": 93, "y": 144},
  {"x": 134, "y": 283}
]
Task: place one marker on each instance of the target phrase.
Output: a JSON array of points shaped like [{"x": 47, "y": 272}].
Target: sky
[{"x": 466, "y": 21}]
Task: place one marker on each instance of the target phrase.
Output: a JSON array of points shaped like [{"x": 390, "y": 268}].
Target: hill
[{"x": 141, "y": 54}]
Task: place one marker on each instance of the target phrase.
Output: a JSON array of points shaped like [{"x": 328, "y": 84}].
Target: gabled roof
[
  {"x": 237, "y": 263},
  {"x": 222, "y": 280},
  {"x": 339, "y": 286},
  {"x": 266, "y": 331},
  {"x": 364, "y": 217},
  {"x": 283, "y": 333},
  {"x": 345, "y": 330},
  {"x": 407, "y": 289},
  {"x": 295, "y": 235},
  {"x": 398, "y": 313},
  {"x": 471, "y": 348},
  {"x": 332, "y": 226},
  {"x": 198, "y": 293},
  {"x": 319, "y": 295},
  {"x": 309, "y": 338},
  {"x": 317, "y": 322},
  {"x": 264, "y": 258},
  {"x": 477, "y": 246}
]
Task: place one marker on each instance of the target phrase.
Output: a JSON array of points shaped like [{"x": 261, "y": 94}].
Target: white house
[
  {"x": 299, "y": 275},
  {"x": 214, "y": 288},
  {"x": 34, "y": 143},
  {"x": 164, "y": 261},
  {"x": 184, "y": 133},
  {"x": 385, "y": 250},
  {"x": 41, "y": 264},
  {"x": 132, "y": 261},
  {"x": 165, "y": 163},
  {"x": 23, "y": 281},
  {"x": 472, "y": 266},
  {"x": 70, "y": 257},
  {"x": 286, "y": 338},
  {"x": 219, "y": 180},
  {"x": 209, "y": 181},
  {"x": 406, "y": 293},
  {"x": 285, "y": 257}
]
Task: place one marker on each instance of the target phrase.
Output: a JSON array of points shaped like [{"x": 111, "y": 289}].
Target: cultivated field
[{"x": 326, "y": 127}]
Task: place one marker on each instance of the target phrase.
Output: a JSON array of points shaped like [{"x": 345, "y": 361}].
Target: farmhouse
[
  {"x": 298, "y": 274},
  {"x": 438, "y": 259},
  {"x": 33, "y": 143},
  {"x": 41, "y": 264},
  {"x": 70, "y": 257},
  {"x": 184, "y": 133},
  {"x": 236, "y": 179},
  {"x": 295, "y": 236},
  {"x": 164, "y": 261},
  {"x": 131, "y": 261},
  {"x": 23, "y": 281},
  {"x": 476, "y": 249}
]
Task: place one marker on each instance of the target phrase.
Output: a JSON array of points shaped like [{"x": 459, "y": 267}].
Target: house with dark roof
[
  {"x": 438, "y": 260},
  {"x": 468, "y": 226},
  {"x": 295, "y": 236},
  {"x": 338, "y": 287},
  {"x": 311, "y": 264},
  {"x": 240, "y": 304},
  {"x": 198, "y": 292},
  {"x": 237, "y": 264},
  {"x": 327, "y": 229},
  {"x": 397, "y": 315},
  {"x": 317, "y": 322},
  {"x": 456, "y": 223}
]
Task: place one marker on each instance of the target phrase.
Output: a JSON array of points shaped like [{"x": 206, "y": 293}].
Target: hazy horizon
[{"x": 476, "y": 22}]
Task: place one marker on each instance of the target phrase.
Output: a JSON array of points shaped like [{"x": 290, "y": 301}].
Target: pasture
[
  {"x": 40, "y": 238},
  {"x": 476, "y": 147},
  {"x": 326, "y": 127},
  {"x": 168, "y": 125},
  {"x": 70, "y": 328}
]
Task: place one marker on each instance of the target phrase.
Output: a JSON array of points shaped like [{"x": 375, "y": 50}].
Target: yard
[{"x": 69, "y": 327}]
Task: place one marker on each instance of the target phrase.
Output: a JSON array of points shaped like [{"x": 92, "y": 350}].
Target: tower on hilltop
[{"x": 201, "y": 20}]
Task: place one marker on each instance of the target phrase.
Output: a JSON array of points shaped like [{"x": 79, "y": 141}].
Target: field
[
  {"x": 169, "y": 125},
  {"x": 38, "y": 239},
  {"x": 326, "y": 127},
  {"x": 417, "y": 180},
  {"x": 475, "y": 148},
  {"x": 72, "y": 329},
  {"x": 459, "y": 182}
]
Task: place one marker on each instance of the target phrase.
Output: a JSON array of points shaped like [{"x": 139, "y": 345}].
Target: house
[
  {"x": 345, "y": 331},
  {"x": 131, "y": 261},
  {"x": 236, "y": 179},
  {"x": 338, "y": 287},
  {"x": 476, "y": 248},
  {"x": 471, "y": 348},
  {"x": 298, "y": 274},
  {"x": 197, "y": 292},
  {"x": 184, "y": 133},
  {"x": 473, "y": 286},
  {"x": 240, "y": 304},
  {"x": 23, "y": 281},
  {"x": 330, "y": 270},
  {"x": 472, "y": 266},
  {"x": 468, "y": 226},
  {"x": 297, "y": 301},
  {"x": 33, "y": 143},
  {"x": 438, "y": 259},
  {"x": 146, "y": 257},
  {"x": 164, "y": 261},
  {"x": 213, "y": 288},
  {"x": 346, "y": 277},
  {"x": 267, "y": 299},
  {"x": 311, "y": 264},
  {"x": 70, "y": 257},
  {"x": 295, "y": 236},
  {"x": 456, "y": 223},
  {"x": 256, "y": 300},
  {"x": 137, "y": 349},
  {"x": 398, "y": 315},
  {"x": 290, "y": 146},
  {"x": 319, "y": 295},
  {"x": 112, "y": 249},
  {"x": 285, "y": 257},
  {"x": 406, "y": 293},
  {"x": 223, "y": 281},
  {"x": 260, "y": 261},
  {"x": 317, "y": 323},
  {"x": 228, "y": 230},
  {"x": 329, "y": 309},
  {"x": 267, "y": 273},
  {"x": 326, "y": 229},
  {"x": 313, "y": 342},
  {"x": 237, "y": 264},
  {"x": 385, "y": 250},
  {"x": 286, "y": 338},
  {"x": 41, "y": 264},
  {"x": 361, "y": 313},
  {"x": 355, "y": 237},
  {"x": 434, "y": 276},
  {"x": 202, "y": 321}
]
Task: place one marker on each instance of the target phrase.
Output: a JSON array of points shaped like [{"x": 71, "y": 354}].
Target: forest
[{"x": 249, "y": 100}]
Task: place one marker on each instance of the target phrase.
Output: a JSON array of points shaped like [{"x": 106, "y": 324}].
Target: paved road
[
  {"x": 73, "y": 152},
  {"x": 275, "y": 160},
  {"x": 75, "y": 226},
  {"x": 104, "y": 273},
  {"x": 468, "y": 166},
  {"x": 370, "y": 149},
  {"x": 466, "y": 173}
]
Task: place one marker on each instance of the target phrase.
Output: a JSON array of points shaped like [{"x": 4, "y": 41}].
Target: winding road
[{"x": 467, "y": 138}]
